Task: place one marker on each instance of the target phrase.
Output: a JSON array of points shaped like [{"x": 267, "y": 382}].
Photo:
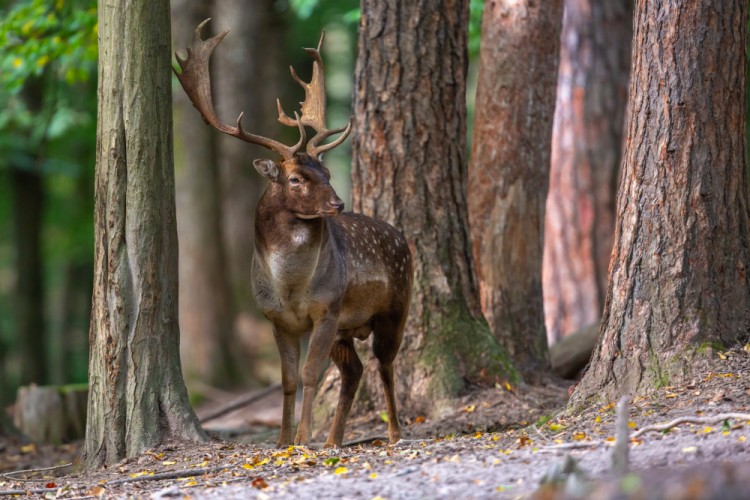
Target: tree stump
[{"x": 51, "y": 414}]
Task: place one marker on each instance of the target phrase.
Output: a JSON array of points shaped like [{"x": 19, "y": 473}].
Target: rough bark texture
[
  {"x": 137, "y": 398},
  {"x": 586, "y": 144},
  {"x": 679, "y": 270},
  {"x": 28, "y": 206},
  {"x": 246, "y": 68},
  {"x": 509, "y": 169},
  {"x": 206, "y": 312},
  {"x": 410, "y": 170}
]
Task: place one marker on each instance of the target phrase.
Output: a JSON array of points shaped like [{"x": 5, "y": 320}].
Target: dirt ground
[{"x": 498, "y": 443}]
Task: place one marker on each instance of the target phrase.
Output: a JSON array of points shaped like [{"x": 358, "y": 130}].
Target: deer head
[{"x": 299, "y": 180}]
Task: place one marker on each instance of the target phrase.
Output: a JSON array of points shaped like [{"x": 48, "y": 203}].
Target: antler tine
[
  {"x": 196, "y": 81},
  {"x": 314, "y": 150}
]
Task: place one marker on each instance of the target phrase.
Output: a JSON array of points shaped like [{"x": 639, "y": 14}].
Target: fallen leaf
[
  {"x": 579, "y": 436},
  {"x": 168, "y": 462},
  {"x": 29, "y": 448},
  {"x": 50, "y": 485},
  {"x": 631, "y": 424},
  {"x": 470, "y": 408},
  {"x": 341, "y": 470},
  {"x": 707, "y": 430},
  {"x": 419, "y": 420},
  {"x": 377, "y": 442},
  {"x": 191, "y": 483},
  {"x": 721, "y": 356},
  {"x": 690, "y": 449},
  {"x": 598, "y": 419},
  {"x": 259, "y": 483},
  {"x": 332, "y": 461},
  {"x": 95, "y": 491},
  {"x": 555, "y": 427},
  {"x": 247, "y": 466},
  {"x": 746, "y": 348},
  {"x": 373, "y": 476}
]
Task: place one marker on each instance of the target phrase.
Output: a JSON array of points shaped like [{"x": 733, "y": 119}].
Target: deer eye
[{"x": 294, "y": 181}]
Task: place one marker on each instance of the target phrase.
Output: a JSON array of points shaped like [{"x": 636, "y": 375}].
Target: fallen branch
[
  {"x": 622, "y": 439},
  {"x": 10, "y": 474},
  {"x": 691, "y": 420},
  {"x": 572, "y": 446},
  {"x": 240, "y": 402}
]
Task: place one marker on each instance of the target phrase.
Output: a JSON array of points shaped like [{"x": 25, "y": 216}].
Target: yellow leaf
[
  {"x": 555, "y": 427},
  {"x": 141, "y": 474},
  {"x": 746, "y": 348},
  {"x": 248, "y": 467},
  {"x": 373, "y": 476},
  {"x": 610, "y": 439},
  {"x": 478, "y": 435},
  {"x": 721, "y": 356},
  {"x": 264, "y": 461},
  {"x": 340, "y": 470},
  {"x": 168, "y": 462},
  {"x": 631, "y": 424},
  {"x": 191, "y": 483},
  {"x": 598, "y": 419},
  {"x": 579, "y": 436},
  {"x": 507, "y": 387},
  {"x": 707, "y": 429},
  {"x": 495, "y": 437},
  {"x": 470, "y": 408},
  {"x": 741, "y": 439},
  {"x": 29, "y": 448},
  {"x": 726, "y": 433}
]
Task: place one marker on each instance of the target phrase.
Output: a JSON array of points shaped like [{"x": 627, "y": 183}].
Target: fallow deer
[{"x": 339, "y": 276}]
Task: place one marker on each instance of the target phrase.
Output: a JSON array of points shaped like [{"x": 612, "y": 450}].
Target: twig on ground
[
  {"x": 713, "y": 419},
  {"x": 177, "y": 474},
  {"x": 622, "y": 439},
  {"x": 245, "y": 400},
  {"x": 571, "y": 446},
  {"x": 10, "y": 474},
  {"x": 368, "y": 439}
]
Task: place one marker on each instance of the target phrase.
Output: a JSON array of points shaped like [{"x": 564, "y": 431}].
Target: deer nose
[{"x": 336, "y": 204}]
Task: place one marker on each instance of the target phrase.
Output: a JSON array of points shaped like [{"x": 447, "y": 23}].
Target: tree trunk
[
  {"x": 206, "y": 309},
  {"x": 586, "y": 144},
  {"x": 679, "y": 271},
  {"x": 410, "y": 169},
  {"x": 246, "y": 81},
  {"x": 509, "y": 170},
  {"x": 137, "y": 398},
  {"x": 28, "y": 207}
]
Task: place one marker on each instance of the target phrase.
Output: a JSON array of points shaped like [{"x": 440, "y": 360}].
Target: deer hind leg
[
  {"x": 347, "y": 361},
  {"x": 387, "y": 335}
]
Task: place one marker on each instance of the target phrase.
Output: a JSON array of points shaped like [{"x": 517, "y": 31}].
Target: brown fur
[{"x": 337, "y": 275}]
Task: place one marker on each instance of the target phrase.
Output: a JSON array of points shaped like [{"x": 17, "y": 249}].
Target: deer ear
[{"x": 267, "y": 168}]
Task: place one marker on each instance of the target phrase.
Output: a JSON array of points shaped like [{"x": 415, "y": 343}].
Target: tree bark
[
  {"x": 206, "y": 307},
  {"x": 509, "y": 170},
  {"x": 247, "y": 73},
  {"x": 137, "y": 398},
  {"x": 28, "y": 208},
  {"x": 410, "y": 169},
  {"x": 678, "y": 275},
  {"x": 586, "y": 148}
]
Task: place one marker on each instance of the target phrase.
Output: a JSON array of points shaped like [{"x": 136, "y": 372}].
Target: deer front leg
[
  {"x": 288, "y": 346},
  {"x": 321, "y": 341}
]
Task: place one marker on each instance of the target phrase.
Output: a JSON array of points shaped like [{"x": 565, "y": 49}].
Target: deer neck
[{"x": 289, "y": 247}]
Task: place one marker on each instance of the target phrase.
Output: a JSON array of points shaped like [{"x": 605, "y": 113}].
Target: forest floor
[{"x": 497, "y": 443}]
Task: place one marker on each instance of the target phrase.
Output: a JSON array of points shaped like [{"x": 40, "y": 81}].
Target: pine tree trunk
[
  {"x": 509, "y": 170},
  {"x": 206, "y": 308},
  {"x": 410, "y": 169},
  {"x": 247, "y": 72},
  {"x": 137, "y": 398},
  {"x": 679, "y": 269},
  {"x": 28, "y": 203},
  {"x": 586, "y": 149}
]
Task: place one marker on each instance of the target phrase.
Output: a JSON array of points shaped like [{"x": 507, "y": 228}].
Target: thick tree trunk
[
  {"x": 246, "y": 81},
  {"x": 586, "y": 143},
  {"x": 28, "y": 206},
  {"x": 679, "y": 269},
  {"x": 137, "y": 398},
  {"x": 206, "y": 312},
  {"x": 509, "y": 170},
  {"x": 410, "y": 170}
]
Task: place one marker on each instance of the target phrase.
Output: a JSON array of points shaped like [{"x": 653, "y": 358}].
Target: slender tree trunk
[
  {"x": 410, "y": 170},
  {"x": 509, "y": 170},
  {"x": 28, "y": 208},
  {"x": 206, "y": 308},
  {"x": 586, "y": 143},
  {"x": 679, "y": 270},
  {"x": 137, "y": 398},
  {"x": 246, "y": 81}
]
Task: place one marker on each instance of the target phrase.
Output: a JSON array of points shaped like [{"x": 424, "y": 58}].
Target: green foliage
[
  {"x": 37, "y": 34},
  {"x": 476, "y": 7}
]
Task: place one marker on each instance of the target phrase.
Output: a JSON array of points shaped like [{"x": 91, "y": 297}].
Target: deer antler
[
  {"x": 197, "y": 84},
  {"x": 314, "y": 107}
]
